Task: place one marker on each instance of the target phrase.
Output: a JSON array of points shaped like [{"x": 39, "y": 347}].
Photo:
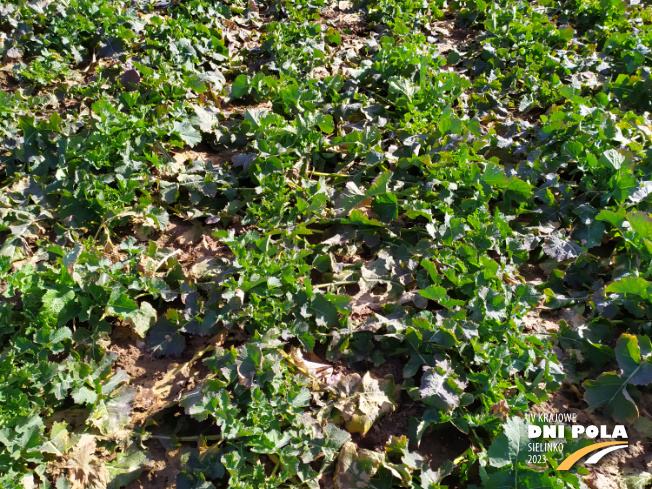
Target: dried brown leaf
[{"x": 85, "y": 471}]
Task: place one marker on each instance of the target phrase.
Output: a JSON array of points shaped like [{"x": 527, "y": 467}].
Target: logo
[
  {"x": 607, "y": 447},
  {"x": 558, "y": 430}
]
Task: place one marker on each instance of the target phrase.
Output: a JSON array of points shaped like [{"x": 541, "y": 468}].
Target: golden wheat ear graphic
[{"x": 607, "y": 446}]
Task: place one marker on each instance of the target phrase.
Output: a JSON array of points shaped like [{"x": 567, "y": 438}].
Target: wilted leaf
[
  {"x": 352, "y": 197},
  {"x": 355, "y": 467},
  {"x": 85, "y": 471},
  {"x": 112, "y": 414},
  {"x": 60, "y": 441},
  {"x": 321, "y": 371},
  {"x": 335, "y": 437},
  {"x": 634, "y": 356},
  {"x": 365, "y": 399}
]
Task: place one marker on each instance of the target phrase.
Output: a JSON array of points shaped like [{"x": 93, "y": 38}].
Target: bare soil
[
  {"x": 156, "y": 394},
  {"x": 164, "y": 469},
  {"x": 193, "y": 242},
  {"x": 7, "y": 82},
  {"x": 450, "y": 36}
]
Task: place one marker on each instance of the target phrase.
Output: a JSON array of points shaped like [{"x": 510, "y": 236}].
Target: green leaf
[
  {"x": 386, "y": 206},
  {"x": 191, "y": 136},
  {"x": 573, "y": 148},
  {"x": 204, "y": 119},
  {"x": 453, "y": 57},
  {"x": 518, "y": 190},
  {"x": 301, "y": 399},
  {"x": 590, "y": 233},
  {"x": 432, "y": 269},
  {"x": 84, "y": 395},
  {"x": 325, "y": 313},
  {"x": 401, "y": 86},
  {"x": 511, "y": 446},
  {"x": 616, "y": 219},
  {"x": 560, "y": 249},
  {"x": 60, "y": 335},
  {"x": 440, "y": 386},
  {"x": 566, "y": 33},
  {"x": 611, "y": 159},
  {"x": 58, "y": 303},
  {"x": 159, "y": 216},
  {"x": 142, "y": 319},
  {"x": 494, "y": 176},
  {"x": 126, "y": 467},
  {"x": 240, "y": 87},
  {"x": 325, "y": 123},
  {"x": 630, "y": 285},
  {"x": 122, "y": 305},
  {"x": 333, "y": 37},
  {"x": 434, "y": 292},
  {"x": 641, "y": 223},
  {"x": 357, "y": 217},
  {"x": 634, "y": 356}
]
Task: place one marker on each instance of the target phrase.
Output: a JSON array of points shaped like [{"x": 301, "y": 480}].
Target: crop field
[{"x": 325, "y": 245}]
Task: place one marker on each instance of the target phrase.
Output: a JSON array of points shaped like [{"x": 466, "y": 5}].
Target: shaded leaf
[
  {"x": 610, "y": 391},
  {"x": 165, "y": 339}
]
